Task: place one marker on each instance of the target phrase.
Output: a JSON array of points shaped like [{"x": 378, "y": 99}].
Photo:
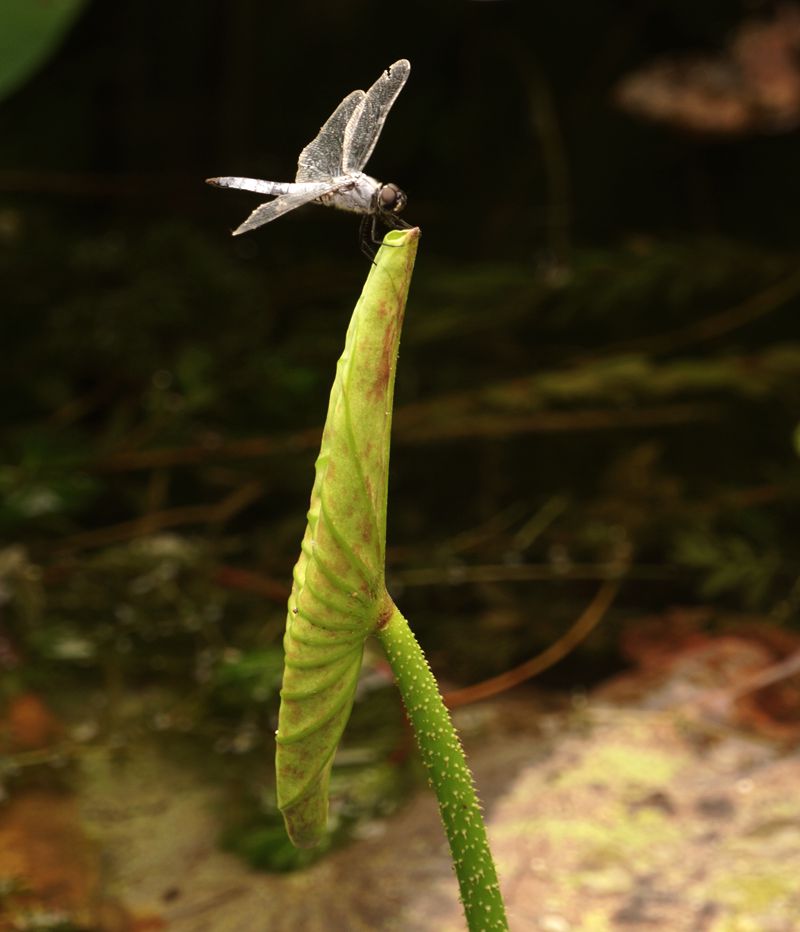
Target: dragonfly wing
[
  {"x": 281, "y": 205},
  {"x": 322, "y": 157},
  {"x": 365, "y": 125}
]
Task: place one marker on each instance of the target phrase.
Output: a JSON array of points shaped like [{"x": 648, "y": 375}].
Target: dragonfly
[{"x": 330, "y": 168}]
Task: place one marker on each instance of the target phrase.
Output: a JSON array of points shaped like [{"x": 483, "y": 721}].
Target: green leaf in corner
[
  {"x": 30, "y": 31},
  {"x": 338, "y": 593}
]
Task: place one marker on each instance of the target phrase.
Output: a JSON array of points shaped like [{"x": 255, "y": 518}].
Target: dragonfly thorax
[{"x": 357, "y": 193}]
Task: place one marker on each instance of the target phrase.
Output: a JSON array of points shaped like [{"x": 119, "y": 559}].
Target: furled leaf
[{"x": 338, "y": 592}]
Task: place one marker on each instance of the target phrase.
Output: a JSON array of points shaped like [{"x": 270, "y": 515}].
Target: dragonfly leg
[
  {"x": 369, "y": 233},
  {"x": 394, "y": 222},
  {"x": 367, "y": 238}
]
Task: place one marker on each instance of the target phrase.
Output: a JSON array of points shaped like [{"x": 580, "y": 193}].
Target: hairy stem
[{"x": 449, "y": 776}]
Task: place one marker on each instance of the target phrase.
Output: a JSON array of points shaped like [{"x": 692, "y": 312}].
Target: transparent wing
[
  {"x": 281, "y": 205},
  {"x": 322, "y": 157},
  {"x": 366, "y": 123}
]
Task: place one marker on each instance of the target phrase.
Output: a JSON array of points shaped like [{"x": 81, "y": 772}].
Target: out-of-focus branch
[
  {"x": 586, "y": 623},
  {"x": 412, "y": 425},
  {"x": 218, "y": 513}
]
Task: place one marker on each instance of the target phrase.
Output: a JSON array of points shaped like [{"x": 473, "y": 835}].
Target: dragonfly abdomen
[{"x": 272, "y": 188}]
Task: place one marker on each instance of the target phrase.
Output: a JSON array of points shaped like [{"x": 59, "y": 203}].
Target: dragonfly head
[{"x": 391, "y": 199}]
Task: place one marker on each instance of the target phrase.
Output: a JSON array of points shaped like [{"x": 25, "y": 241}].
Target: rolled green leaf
[{"x": 338, "y": 595}]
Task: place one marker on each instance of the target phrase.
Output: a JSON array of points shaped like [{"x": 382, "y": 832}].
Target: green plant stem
[{"x": 449, "y": 775}]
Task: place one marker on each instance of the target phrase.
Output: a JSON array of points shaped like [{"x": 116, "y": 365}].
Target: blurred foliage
[
  {"x": 619, "y": 393},
  {"x": 730, "y": 565}
]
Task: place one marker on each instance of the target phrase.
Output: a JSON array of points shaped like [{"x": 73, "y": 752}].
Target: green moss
[
  {"x": 772, "y": 889},
  {"x": 617, "y": 764},
  {"x": 618, "y": 837},
  {"x": 595, "y": 921}
]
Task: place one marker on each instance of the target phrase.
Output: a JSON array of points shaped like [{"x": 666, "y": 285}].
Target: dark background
[
  {"x": 177, "y": 93},
  {"x": 163, "y": 385}
]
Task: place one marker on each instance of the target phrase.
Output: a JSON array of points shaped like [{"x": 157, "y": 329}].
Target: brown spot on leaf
[{"x": 387, "y": 356}]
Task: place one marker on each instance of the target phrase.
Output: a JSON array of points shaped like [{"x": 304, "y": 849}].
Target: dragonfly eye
[{"x": 391, "y": 198}]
